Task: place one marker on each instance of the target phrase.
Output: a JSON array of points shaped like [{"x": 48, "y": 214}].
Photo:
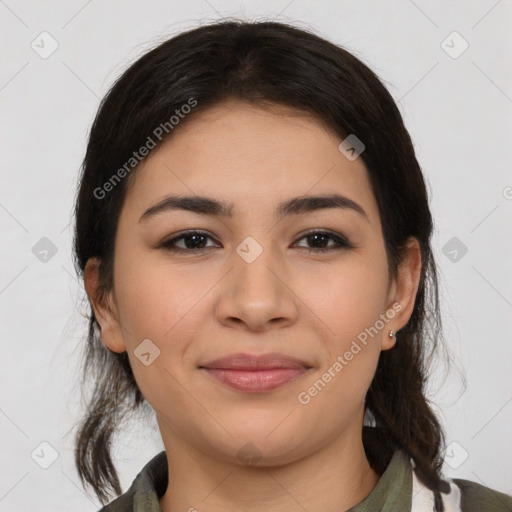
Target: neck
[{"x": 335, "y": 477}]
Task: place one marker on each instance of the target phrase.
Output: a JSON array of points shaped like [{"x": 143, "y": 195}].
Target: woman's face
[{"x": 255, "y": 288}]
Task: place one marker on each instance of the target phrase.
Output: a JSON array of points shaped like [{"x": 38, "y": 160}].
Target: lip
[
  {"x": 253, "y": 362},
  {"x": 256, "y": 373}
]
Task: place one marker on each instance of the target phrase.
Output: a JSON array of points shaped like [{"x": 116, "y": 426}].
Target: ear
[
  {"x": 104, "y": 308},
  {"x": 403, "y": 289}
]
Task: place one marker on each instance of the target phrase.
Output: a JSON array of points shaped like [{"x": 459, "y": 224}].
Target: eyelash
[{"x": 342, "y": 243}]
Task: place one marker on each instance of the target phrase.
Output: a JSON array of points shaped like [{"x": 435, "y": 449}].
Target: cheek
[
  {"x": 350, "y": 298},
  {"x": 159, "y": 302},
  {"x": 155, "y": 305},
  {"x": 350, "y": 304},
  {"x": 152, "y": 294}
]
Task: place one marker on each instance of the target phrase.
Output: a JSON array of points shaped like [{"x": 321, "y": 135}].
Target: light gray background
[{"x": 458, "y": 111}]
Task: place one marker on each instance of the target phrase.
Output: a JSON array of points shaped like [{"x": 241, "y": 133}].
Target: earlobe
[
  {"x": 402, "y": 296},
  {"x": 389, "y": 340},
  {"x": 104, "y": 308}
]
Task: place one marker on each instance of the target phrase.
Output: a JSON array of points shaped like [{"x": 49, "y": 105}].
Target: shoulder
[
  {"x": 123, "y": 503},
  {"x": 462, "y": 496},
  {"x": 146, "y": 490},
  {"x": 477, "y": 497}
]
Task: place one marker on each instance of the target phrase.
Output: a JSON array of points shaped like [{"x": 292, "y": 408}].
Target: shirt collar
[{"x": 394, "y": 489}]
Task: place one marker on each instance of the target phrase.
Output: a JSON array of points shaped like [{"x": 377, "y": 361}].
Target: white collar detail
[{"x": 423, "y": 497}]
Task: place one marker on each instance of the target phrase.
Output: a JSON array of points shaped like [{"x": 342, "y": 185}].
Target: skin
[{"x": 198, "y": 307}]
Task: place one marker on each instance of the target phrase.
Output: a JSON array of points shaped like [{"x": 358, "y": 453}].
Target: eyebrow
[{"x": 210, "y": 206}]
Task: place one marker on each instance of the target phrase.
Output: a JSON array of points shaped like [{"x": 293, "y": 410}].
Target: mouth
[{"x": 251, "y": 373}]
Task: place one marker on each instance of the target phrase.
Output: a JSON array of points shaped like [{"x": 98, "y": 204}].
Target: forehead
[{"x": 249, "y": 155}]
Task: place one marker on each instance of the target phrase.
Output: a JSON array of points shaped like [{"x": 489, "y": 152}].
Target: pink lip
[{"x": 253, "y": 373}]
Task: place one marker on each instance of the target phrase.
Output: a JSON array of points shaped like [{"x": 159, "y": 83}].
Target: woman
[{"x": 253, "y": 231}]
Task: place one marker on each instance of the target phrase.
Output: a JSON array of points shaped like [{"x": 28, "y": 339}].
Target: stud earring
[{"x": 392, "y": 334}]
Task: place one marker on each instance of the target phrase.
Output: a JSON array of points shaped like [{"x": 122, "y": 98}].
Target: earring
[{"x": 392, "y": 334}]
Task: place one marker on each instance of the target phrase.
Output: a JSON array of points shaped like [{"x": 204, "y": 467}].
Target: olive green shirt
[{"x": 393, "y": 492}]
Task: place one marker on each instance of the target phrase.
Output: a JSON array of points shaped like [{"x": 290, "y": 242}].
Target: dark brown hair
[{"x": 264, "y": 63}]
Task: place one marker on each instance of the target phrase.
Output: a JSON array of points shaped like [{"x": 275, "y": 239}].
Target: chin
[{"x": 260, "y": 443}]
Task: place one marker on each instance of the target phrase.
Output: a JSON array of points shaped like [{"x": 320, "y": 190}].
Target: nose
[{"x": 258, "y": 295}]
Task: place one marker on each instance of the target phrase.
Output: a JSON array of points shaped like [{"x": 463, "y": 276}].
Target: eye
[
  {"x": 194, "y": 242},
  {"x": 322, "y": 238}
]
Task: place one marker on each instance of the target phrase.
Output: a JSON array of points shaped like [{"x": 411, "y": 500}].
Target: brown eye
[
  {"x": 194, "y": 241},
  {"x": 321, "y": 239}
]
